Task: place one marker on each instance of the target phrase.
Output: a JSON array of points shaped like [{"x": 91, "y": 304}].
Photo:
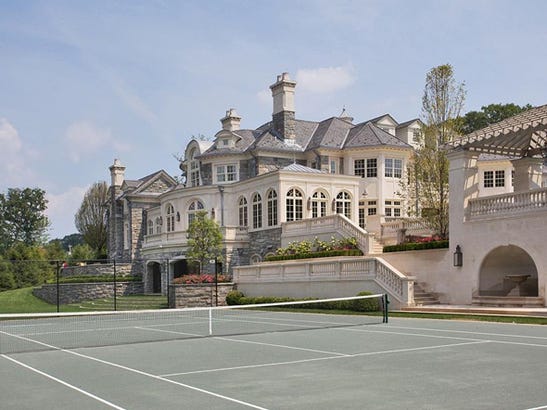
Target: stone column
[
  {"x": 463, "y": 179},
  {"x": 528, "y": 174}
]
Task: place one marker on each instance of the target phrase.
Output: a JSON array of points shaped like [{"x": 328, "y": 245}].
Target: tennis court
[{"x": 271, "y": 360}]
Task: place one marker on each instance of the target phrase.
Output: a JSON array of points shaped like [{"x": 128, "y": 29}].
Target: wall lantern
[
  {"x": 308, "y": 204},
  {"x": 458, "y": 256},
  {"x": 178, "y": 216}
]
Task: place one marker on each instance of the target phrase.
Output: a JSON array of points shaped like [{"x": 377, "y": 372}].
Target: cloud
[
  {"x": 325, "y": 79},
  {"x": 84, "y": 138},
  {"x": 61, "y": 209},
  {"x": 13, "y": 166}
]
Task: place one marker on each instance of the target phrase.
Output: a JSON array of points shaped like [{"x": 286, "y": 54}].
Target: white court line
[
  {"x": 168, "y": 331},
  {"x": 283, "y": 346},
  {"x": 49, "y": 376},
  {"x": 119, "y": 366},
  {"x": 470, "y": 332},
  {"x": 537, "y": 408},
  {"x": 254, "y": 366}
]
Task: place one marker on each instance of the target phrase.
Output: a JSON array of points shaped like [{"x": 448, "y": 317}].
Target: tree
[
  {"x": 29, "y": 265},
  {"x": 489, "y": 114},
  {"x": 90, "y": 220},
  {"x": 22, "y": 217},
  {"x": 427, "y": 182},
  {"x": 204, "y": 239}
]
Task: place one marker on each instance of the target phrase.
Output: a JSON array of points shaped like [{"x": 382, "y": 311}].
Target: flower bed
[
  {"x": 415, "y": 246},
  {"x": 317, "y": 249}
]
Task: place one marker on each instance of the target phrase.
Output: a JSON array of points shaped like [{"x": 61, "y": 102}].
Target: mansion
[{"x": 257, "y": 182}]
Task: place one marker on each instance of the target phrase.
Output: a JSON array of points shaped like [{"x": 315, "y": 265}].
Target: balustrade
[{"x": 508, "y": 204}]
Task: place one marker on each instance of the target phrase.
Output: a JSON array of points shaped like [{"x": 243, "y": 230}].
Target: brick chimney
[
  {"x": 283, "y": 106},
  {"x": 231, "y": 121}
]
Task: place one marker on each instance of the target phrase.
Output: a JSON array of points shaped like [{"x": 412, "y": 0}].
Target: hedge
[
  {"x": 416, "y": 246},
  {"x": 236, "y": 297},
  {"x": 318, "y": 254}
]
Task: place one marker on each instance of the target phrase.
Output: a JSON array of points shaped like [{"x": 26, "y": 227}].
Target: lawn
[{"x": 23, "y": 301}]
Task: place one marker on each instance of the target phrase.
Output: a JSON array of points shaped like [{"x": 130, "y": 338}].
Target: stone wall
[
  {"x": 198, "y": 295},
  {"x": 98, "y": 269},
  {"x": 78, "y": 292}
]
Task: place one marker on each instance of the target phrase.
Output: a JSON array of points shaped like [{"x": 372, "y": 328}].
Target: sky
[{"x": 85, "y": 82}]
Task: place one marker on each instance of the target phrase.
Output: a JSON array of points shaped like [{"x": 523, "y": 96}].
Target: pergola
[{"x": 523, "y": 135}]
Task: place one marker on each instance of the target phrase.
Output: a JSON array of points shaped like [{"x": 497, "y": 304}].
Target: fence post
[
  {"x": 115, "y": 286},
  {"x": 57, "y": 284}
]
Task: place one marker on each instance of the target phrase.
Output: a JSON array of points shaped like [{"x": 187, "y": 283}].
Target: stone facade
[
  {"x": 79, "y": 292},
  {"x": 198, "y": 295}
]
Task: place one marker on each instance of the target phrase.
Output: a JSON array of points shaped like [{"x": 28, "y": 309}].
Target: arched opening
[{"x": 508, "y": 271}]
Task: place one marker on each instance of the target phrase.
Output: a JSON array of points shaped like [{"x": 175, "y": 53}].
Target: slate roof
[
  {"x": 334, "y": 132},
  {"x": 369, "y": 135}
]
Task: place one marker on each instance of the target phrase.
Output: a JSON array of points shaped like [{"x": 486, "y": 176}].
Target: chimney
[
  {"x": 283, "y": 106},
  {"x": 231, "y": 121},
  {"x": 117, "y": 173}
]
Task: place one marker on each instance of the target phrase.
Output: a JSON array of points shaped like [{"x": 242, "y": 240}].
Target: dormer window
[{"x": 226, "y": 142}]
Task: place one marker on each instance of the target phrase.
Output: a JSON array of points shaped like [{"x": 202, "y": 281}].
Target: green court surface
[{"x": 404, "y": 364}]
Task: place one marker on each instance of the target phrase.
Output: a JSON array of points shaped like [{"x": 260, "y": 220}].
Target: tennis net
[{"x": 34, "y": 332}]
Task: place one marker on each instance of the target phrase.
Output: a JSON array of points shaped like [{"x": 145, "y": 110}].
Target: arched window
[
  {"x": 294, "y": 205},
  {"x": 319, "y": 204},
  {"x": 150, "y": 228},
  {"x": 170, "y": 218},
  {"x": 343, "y": 204},
  {"x": 257, "y": 211},
  {"x": 243, "y": 212},
  {"x": 194, "y": 168},
  {"x": 195, "y": 207},
  {"x": 272, "y": 208}
]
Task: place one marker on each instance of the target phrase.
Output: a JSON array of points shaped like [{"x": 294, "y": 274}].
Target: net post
[
  {"x": 210, "y": 321},
  {"x": 385, "y": 305}
]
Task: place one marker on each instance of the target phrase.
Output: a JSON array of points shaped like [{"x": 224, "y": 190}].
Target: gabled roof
[
  {"x": 381, "y": 117},
  {"x": 407, "y": 123},
  {"x": 369, "y": 135},
  {"x": 523, "y": 135},
  {"x": 155, "y": 183}
]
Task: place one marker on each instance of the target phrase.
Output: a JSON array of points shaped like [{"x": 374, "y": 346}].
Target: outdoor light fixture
[
  {"x": 178, "y": 216},
  {"x": 458, "y": 256}
]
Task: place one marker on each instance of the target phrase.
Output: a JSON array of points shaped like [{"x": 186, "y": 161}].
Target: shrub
[
  {"x": 194, "y": 279},
  {"x": 416, "y": 246},
  {"x": 234, "y": 297}
]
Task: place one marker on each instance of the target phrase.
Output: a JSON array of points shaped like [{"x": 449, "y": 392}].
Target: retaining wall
[{"x": 78, "y": 292}]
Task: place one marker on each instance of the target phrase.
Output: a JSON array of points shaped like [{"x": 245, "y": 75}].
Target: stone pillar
[
  {"x": 528, "y": 174},
  {"x": 463, "y": 179}
]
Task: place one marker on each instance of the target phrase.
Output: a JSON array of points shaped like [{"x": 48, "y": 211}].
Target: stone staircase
[
  {"x": 377, "y": 245},
  {"x": 421, "y": 297}
]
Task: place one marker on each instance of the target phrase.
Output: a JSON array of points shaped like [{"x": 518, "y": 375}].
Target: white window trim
[{"x": 225, "y": 167}]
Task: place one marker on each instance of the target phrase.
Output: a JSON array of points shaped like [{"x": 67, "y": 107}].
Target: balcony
[{"x": 507, "y": 205}]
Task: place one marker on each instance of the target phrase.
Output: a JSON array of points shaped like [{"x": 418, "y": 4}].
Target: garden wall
[
  {"x": 198, "y": 295},
  {"x": 79, "y": 292}
]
